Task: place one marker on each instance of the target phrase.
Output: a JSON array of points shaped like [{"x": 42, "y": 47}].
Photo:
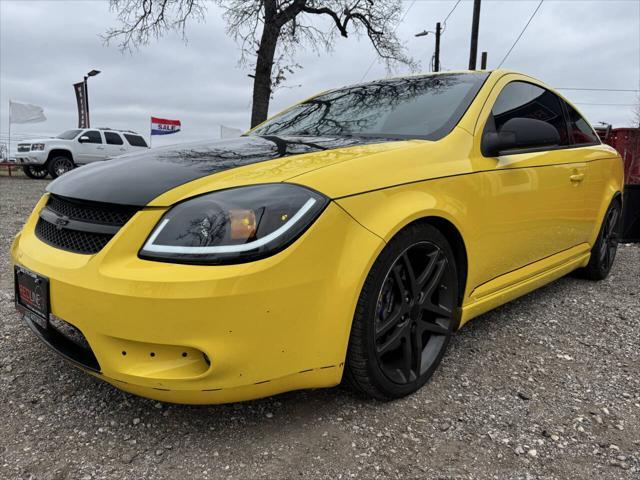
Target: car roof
[{"x": 108, "y": 129}]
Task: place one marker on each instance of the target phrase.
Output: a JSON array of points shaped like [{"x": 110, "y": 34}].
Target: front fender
[
  {"x": 454, "y": 199},
  {"x": 49, "y": 149},
  {"x": 386, "y": 212}
]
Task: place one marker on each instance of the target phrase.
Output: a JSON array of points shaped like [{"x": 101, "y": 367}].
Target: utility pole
[
  {"x": 483, "y": 61},
  {"x": 436, "y": 55},
  {"x": 473, "y": 53}
]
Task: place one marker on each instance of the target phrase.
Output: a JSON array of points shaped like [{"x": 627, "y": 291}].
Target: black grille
[
  {"x": 90, "y": 212},
  {"x": 72, "y": 240},
  {"x": 79, "y": 227},
  {"x": 24, "y": 147}
]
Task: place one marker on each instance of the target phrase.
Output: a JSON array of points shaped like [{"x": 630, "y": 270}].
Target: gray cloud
[{"x": 46, "y": 46}]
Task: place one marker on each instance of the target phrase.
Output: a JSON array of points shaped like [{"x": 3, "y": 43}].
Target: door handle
[
  {"x": 100, "y": 148},
  {"x": 577, "y": 177}
]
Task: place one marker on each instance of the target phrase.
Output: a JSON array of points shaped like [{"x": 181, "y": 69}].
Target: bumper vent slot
[
  {"x": 80, "y": 227},
  {"x": 67, "y": 340}
]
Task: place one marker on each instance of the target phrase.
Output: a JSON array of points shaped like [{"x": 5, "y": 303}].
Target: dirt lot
[{"x": 545, "y": 387}]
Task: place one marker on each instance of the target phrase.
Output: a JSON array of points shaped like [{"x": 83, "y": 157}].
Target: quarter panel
[{"x": 605, "y": 181}]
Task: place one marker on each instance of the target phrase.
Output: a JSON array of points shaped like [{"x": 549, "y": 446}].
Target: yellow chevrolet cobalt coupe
[{"x": 346, "y": 238}]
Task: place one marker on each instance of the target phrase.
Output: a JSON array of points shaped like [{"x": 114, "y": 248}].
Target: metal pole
[
  {"x": 473, "y": 53},
  {"x": 436, "y": 63},
  {"x": 9, "y": 141},
  {"x": 86, "y": 100},
  {"x": 483, "y": 61}
]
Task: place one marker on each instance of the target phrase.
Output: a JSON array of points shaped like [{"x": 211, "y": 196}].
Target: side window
[
  {"x": 94, "y": 136},
  {"x": 135, "y": 140},
  {"x": 525, "y": 100},
  {"x": 113, "y": 138},
  {"x": 580, "y": 131}
]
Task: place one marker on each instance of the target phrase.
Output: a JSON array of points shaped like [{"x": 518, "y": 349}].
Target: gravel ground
[{"x": 545, "y": 387}]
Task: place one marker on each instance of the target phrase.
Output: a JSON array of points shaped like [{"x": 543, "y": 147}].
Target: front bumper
[
  {"x": 211, "y": 334},
  {"x": 35, "y": 157}
]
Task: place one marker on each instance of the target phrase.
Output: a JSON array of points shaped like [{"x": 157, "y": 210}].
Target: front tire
[
  {"x": 604, "y": 250},
  {"x": 406, "y": 314},
  {"x": 60, "y": 165},
  {"x": 35, "y": 171}
]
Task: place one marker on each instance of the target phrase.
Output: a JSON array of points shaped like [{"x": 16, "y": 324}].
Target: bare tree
[{"x": 269, "y": 32}]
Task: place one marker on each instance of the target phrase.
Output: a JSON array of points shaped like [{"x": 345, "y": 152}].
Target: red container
[{"x": 627, "y": 142}]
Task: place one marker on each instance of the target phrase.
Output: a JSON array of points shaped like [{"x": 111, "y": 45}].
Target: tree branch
[{"x": 342, "y": 27}]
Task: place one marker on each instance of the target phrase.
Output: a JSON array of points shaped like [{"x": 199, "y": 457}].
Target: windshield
[
  {"x": 413, "y": 107},
  {"x": 69, "y": 134}
]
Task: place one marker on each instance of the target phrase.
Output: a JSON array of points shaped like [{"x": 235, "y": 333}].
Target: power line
[
  {"x": 444, "y": 27},
  {"x": 522, "y": 32},
  {"x": 394, "y": 29},
  {"x": 444, "y": 22}
]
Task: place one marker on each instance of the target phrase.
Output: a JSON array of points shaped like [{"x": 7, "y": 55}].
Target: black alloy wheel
[
  {"x": 60, "y": 165},
  {"x": 35, "y": 171},
  {"x": 609, "y": 244},
  {"x": 604, "y": 250},
  {"x": 406, "y": 315}
]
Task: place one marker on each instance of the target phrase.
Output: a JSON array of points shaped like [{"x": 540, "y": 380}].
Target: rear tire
[
  {"x": 60, "y": 165},
  {"x": 35, "y": 171},
  {"x": 405, "y": 316},
  {"x": 604, "y": 250}
]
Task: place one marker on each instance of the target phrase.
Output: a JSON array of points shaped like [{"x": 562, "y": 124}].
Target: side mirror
[
  {"x": 519, "y": 134},
  {"x": 83, "y": 139}
]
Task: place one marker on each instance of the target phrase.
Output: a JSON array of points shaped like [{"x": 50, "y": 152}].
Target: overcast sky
[{"x": 46, "y": 46}]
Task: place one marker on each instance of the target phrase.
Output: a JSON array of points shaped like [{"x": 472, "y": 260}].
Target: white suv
[{"x": 55, "y": 156}]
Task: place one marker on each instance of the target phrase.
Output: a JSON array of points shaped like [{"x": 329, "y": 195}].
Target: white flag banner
[
  {"x": 25, "y": 113},
  {"x": 229, "y": 132}
]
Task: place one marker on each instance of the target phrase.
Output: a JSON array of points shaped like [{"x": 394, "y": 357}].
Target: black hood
[{"x": 136, "y": 179}]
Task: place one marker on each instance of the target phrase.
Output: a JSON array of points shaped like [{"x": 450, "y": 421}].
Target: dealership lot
[{"x": 545, "y": 387}]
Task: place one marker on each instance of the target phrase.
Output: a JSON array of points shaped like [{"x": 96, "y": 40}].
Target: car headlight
[
  {"x": 235, "y": 225},
  {"x": 37, "y": 146}
]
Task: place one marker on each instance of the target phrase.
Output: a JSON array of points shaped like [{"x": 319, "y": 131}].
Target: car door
[
  {"x": 587, "y": 146},
  {"x": 535, "y": 196},
  {"x": 90, "y": 147},
  {"x": 114, "y": 144}
]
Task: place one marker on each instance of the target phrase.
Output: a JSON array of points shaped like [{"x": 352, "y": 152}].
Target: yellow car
[{"x": 347, "y": 237}]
